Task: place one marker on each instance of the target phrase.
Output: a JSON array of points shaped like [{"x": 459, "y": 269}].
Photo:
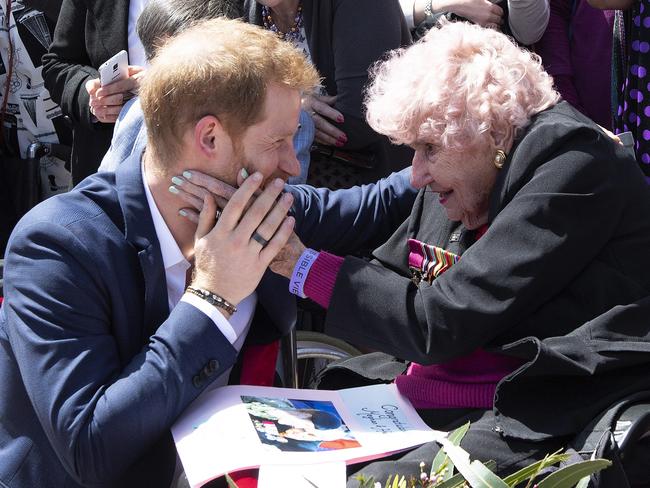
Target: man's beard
[{"x": 241, "y": 161}]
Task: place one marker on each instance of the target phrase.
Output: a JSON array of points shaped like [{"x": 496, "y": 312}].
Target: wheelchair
[{"x": 621, "y": 433}]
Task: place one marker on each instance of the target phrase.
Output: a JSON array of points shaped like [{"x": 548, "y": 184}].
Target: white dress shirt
[
  {"x": 176, "y": 267},
  {"x": 136, "y": 50}
]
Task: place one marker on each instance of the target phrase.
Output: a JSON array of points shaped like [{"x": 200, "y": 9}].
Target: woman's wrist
[{"x": 301, "y": 271}]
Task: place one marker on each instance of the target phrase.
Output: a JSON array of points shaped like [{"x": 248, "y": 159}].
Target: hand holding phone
[
  {"x": 115, "y": 69},
  {"x": 117, "y": 83}
]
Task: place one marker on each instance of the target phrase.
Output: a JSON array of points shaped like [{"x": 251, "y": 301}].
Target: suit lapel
[
  {"x": 141, "y": 233},
  {"x": 111, "y": 20}
]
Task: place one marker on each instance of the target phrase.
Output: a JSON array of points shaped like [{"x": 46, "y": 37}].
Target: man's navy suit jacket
[{"x": 94, "y": 369}]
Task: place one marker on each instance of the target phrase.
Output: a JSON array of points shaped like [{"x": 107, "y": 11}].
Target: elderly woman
[
  {"x": 342, "y": 38},
  {"x": 513, "y": 279},
  {"x": 517, "y": 288}
]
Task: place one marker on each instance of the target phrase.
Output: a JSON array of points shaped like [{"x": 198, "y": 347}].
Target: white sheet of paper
[{"x": 325, "y": 475}]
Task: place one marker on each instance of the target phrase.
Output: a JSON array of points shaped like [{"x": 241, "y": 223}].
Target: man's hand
[
  {"x": 229, "y": 261},
  {"x": 322, "y": 111},
  {"x": 107, "y": 101}
]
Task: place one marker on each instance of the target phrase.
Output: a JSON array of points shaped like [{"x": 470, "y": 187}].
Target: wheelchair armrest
[{"x": 632, "y": 424}]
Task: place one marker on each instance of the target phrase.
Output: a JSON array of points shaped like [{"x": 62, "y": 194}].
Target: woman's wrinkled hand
[
  {"x": 106, "y": 102},
  {"x": 232, "y": 252},
  {"x": 322, "y": 111},
  {"x": 285, "y": 261}
]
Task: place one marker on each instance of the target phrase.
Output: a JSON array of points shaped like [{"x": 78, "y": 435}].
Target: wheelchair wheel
[{"x": 315, "y": 351}]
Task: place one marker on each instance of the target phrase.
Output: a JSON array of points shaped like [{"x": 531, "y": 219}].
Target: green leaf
[
  {"x": 584, "y": 482},
  {"x": 525, "y": 473},
  {"x": 570, "y": 475},
  {"x": 476, "y": 474},
  {"x": 458, "y": 480},
  {"x": 442, "y": 460},
  {"x": 231, "y": 483}
]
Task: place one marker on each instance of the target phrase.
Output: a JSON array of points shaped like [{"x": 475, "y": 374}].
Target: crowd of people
[{"x": 250, "y": 153}]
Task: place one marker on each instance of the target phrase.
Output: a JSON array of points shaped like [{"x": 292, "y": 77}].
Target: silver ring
[{"x": 258, "y": 238}]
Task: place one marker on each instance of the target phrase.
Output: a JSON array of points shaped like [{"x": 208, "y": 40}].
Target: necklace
[{"x": 293, "y": 34}]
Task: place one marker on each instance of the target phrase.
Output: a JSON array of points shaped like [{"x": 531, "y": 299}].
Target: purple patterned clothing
[{"x": 632, "y": 61}]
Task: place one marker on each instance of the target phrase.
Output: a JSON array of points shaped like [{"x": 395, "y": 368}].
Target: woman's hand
[
  {"x": 230, "y": 256},
  {"x": 481, "y": 12},
  {"x": 194, "y": 186},
  {"x": 322, "y": 112},
  {"x": 285, "y": 261},
  {"x": 106, "y": 102}
]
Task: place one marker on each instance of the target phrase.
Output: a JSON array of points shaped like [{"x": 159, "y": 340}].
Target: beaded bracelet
[{"x": 213, "y": 299}]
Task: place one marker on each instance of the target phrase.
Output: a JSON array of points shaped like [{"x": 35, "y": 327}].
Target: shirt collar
[{"x": 171, "y": 253}]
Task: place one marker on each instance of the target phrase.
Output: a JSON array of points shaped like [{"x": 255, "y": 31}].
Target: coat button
[
  {"x": 213, "y": 365},
  {"x": 197, "y": 381}
]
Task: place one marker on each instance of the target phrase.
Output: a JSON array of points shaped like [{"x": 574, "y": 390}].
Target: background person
[
  {"x": 576, "y": 50},
  {"x": 28, "y": 115},
  {"x": 525, "y": 20},
  {"x": 88, "y": 34},
  {"x": 631, "y": 62},
  {"x": 342, "y": 38}
]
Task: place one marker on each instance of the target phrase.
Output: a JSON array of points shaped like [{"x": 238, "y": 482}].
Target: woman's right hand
[{"x": 106, "y": 102}]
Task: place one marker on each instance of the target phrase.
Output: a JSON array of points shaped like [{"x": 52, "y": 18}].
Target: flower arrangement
[{"x": 476, "y": 474}]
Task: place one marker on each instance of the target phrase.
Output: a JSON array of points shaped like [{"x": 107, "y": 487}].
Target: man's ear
[{"x": 208, "y": 135}]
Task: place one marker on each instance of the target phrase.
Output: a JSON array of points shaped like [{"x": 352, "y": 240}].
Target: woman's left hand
[{"x": 322, "y": 112}]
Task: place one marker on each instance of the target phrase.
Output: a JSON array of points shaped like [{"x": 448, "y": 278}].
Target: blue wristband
[{"x": 300, "y": 272}]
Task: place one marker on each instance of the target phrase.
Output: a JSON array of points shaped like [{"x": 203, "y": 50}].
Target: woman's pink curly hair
[{"x": 460, "y": 85}]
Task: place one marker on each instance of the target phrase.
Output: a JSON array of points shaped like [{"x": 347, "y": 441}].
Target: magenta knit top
[{"x": 465, "y": 382}]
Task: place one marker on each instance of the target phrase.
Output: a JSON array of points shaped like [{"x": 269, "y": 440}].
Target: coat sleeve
[
  {"x": 534, "y": 248},
  {"x": 362, "y": 32},
  {"x": 67, "y": 66},
  {"x": 100, "y": 407},
  {"x": 362, "y": 217}
]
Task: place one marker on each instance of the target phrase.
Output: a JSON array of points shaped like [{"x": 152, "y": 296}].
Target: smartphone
[{"x": 115, "y": 69}]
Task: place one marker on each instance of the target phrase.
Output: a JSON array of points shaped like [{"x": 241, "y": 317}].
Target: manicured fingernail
[
  {"x": 340, "y": 118},
  {"x": 287, "y": 197},
  {"x": 278, "y": 183},
  {"x": 187, "y": 174},
  {"x": 182, "y": 213},
  {"x": 256, "y": 176},
  {"x": 343, "y": 139},
  {"x": 339, "y": 143},
  {"x": 244, "y": 173},
  {"x": 173, "y": 189},
  {"x": 177, "y": 181}
]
